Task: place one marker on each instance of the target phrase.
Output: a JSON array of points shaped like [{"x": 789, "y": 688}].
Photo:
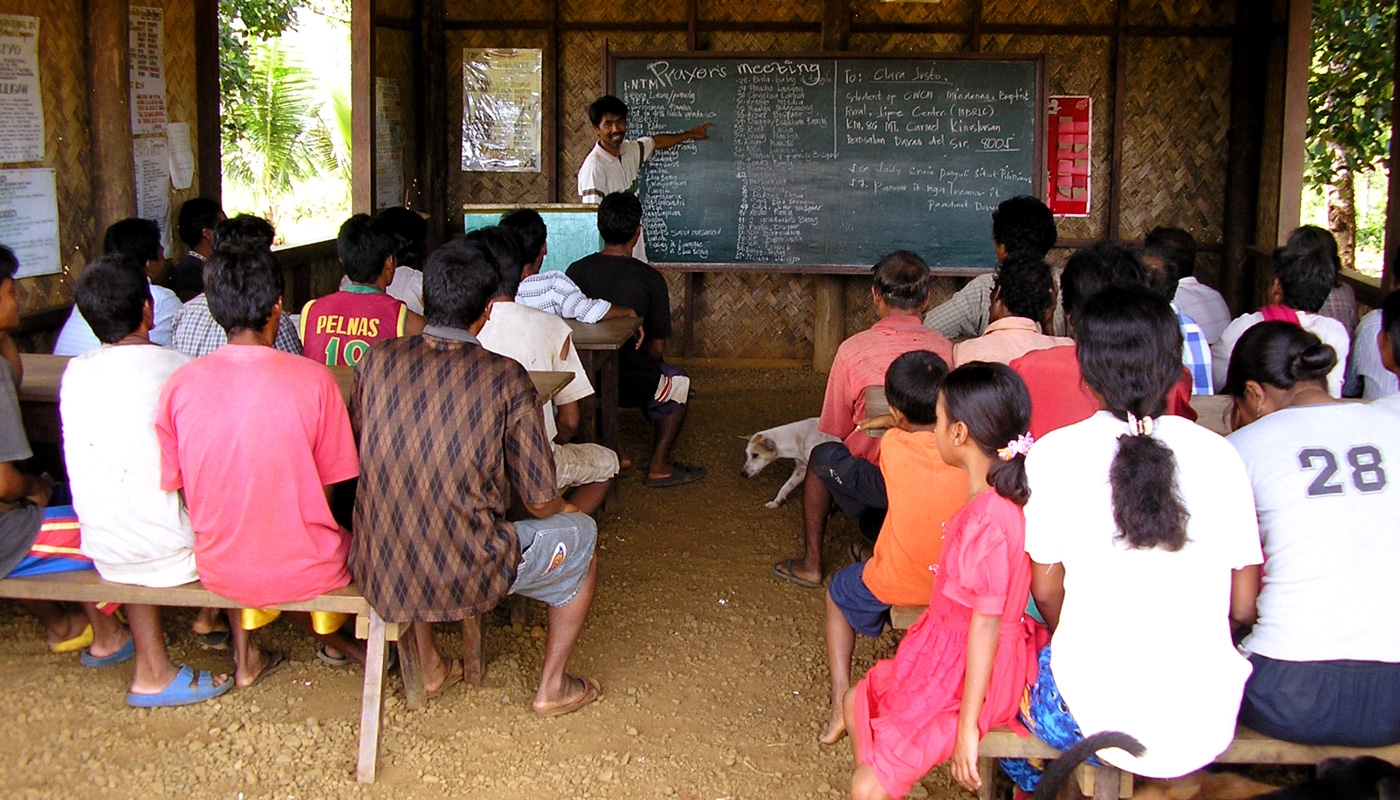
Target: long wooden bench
[{"x": 87, "y": 586}]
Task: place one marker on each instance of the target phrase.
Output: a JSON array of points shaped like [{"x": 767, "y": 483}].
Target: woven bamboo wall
[{"x": 395, "y": 56}]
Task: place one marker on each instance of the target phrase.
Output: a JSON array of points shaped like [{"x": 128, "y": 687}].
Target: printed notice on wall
[
  {"x": 177, "y": 135},
  {"x": 21, "y": 111},
  {"x": 388, "y": 144},
  {"x": 152, "y": 180},
  {"x": 146, "y": 39},
  {"x": 29, "y": 220},
  {"x": 501, "y": 92}
]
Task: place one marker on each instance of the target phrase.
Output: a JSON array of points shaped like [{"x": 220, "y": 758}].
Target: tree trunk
[{"x": 1341, "y": 212}]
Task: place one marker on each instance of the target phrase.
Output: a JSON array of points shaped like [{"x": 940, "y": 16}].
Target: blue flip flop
[
  {"x": 122, "y": 656},
  {"x": 189, "y": 686}
]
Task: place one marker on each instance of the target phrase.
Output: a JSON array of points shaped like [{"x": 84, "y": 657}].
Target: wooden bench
[{"x": 87, "y": 587}]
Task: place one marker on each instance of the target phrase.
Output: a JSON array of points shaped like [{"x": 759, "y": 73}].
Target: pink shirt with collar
[{"x": 1004, "y": 341}]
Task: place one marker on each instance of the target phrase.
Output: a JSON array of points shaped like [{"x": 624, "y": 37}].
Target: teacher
[{"x": 612, "y": 165}]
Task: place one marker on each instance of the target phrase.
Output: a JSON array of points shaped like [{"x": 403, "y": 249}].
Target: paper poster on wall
[
  {"x": 1069, "y": 159},
  {"x": 21, "y": 108},
  {"x": 388, "y": 144},
  {"x": 29, "y": 220},
  {"x": 146, "y": 41},
  {"x": 501, "y": 91},
  {"x": 153, "y": 182}
]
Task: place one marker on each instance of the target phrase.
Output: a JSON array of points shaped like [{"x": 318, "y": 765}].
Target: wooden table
[{"x": 599, "y": 345}]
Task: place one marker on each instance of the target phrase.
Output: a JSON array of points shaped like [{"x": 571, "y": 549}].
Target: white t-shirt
[
  {"x": 1143, "y": 644},
  {"x": 1204, "y": 305},
  {"x": 1390, "y": 402},
  {"x": 76, "y": 336},
  {"x": 133, "y": 532},
  {"x": 538, "y": 341},
  {"x": 603, "y": 173},
  {"x": 1327, "y": 485},
  {"x": 1366, "y": 363},
  {"x": 1330, "y": 331}
]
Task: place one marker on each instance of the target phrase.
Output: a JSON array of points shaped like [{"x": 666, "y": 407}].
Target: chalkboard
[
  {"x": 832, "y": 160},
  {"x": 572, "y": 229}
]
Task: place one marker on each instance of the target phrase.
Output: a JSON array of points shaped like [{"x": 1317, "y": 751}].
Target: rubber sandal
[
  {"x": 857, "y": 553},
  {"x": 188, "y": 687},
  {"x": 275, "y": 662},
  {"x": 214, "y": 640},
  {"x": 783, "y": 569},
  {"x": 125, "y": 654},
  {"x": 452, "y": 679},
  {"x": 79, "y": 642},
  {"x": 684, "y": 473},
  {"x": 591, "y": 692},
  {"x": 326, "y": 658}
]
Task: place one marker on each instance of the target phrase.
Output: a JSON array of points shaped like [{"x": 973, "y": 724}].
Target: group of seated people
[{"x": 1036, "y": 492}]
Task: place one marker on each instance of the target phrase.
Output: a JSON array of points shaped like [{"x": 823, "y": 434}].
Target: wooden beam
[
  {"x": 975, "y": 39},
  {"x": 1389, "y": 278},
  {"x": 1295, "y": 118},
  {"x": 692, "y": 22},
  {"x": 362, "y": 109},
  {"x": 836, "y": 24},
  {"x": 1119, "y": 65},
  {"x": 208, "y": 133},
  {"x": 113, "y": 167},
  {"x": 432, "y": 85},
  {"x": 1248, "y": 86},
  {"x": 554, "y": 131}
]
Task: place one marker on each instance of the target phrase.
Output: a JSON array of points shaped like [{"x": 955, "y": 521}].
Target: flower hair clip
[
  {"x": 1020, "y": 446},
  {"x": 1140, "y": 426}
]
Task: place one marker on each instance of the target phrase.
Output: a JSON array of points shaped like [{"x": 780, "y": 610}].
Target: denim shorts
[
  {"x": 856, "y": 485},
  {"x": 861, "y": 608},
  {"x": 1351, "y": 703},
  {"x": 554, "y": 556}
]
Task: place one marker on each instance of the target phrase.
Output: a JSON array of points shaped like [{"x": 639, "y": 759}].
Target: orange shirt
[{"x": 924, "y": 493}]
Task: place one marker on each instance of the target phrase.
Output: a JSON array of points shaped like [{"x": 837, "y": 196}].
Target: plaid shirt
[
  {"x": 197, "y": 334},
  {"x": 1195, "y": 354},
  {"x": 556, "y": 293},
  {"x": 967, "y": 313}
]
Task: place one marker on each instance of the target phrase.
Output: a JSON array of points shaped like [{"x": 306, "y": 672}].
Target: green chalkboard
[
  {"x": 832, "y": 160},
  {"x": 573, "y": 229}
]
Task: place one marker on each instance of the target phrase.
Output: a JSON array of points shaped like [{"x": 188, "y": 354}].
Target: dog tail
[{"x": 1058, "y": 773}]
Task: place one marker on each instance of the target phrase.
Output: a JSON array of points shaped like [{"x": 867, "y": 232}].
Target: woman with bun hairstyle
[
  {"x": 1326, "y": 648},
  {"x": 1142, "y": 538}
]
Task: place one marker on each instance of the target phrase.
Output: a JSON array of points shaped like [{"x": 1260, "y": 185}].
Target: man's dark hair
[
  {"x": 607, "y": 104},
  {"x": 9, "y": 265},
  {"x": 1092, "y": 269},
  {"x": 1320, "y": 239},
  {"x": 618, "y": 217},
  {"x": 197, "y": 214},
  {"x": 110, "y": 294},
  {"x": 1390, "y": 323},
  {"x": 364, "y": 243},
  {"x": 1306, "y": 275},
  {"x": 1024, "y": 223},
  {"x": 529, "y": 226},
  {"x": 244, "y": 232},
  {"x": 242, "y": 285},
  {"x": 458, "y": 281},
  {"x": 135, "y": 238},
  {"x": 411, "y": 232},
  {"x": 1176, "y": 248},
  {"x": 506, "y": 250},
  {"x": 902, "y": 279},
  {"x": 1025, "y": 286},
  {"x": 912, "y": 383}
]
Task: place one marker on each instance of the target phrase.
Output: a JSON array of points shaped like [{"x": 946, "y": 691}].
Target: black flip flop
[{"x": 684, "y": 473}]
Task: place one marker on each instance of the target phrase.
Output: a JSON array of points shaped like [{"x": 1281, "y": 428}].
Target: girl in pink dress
[{"x": 964, "y": 666}]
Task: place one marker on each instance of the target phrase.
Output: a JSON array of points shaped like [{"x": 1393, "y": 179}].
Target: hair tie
[
  {"x": 1139, "y": 426},
  {"x": 1019, "y": 446}
]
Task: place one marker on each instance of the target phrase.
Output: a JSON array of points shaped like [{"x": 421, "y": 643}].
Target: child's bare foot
[
  {"x": 586, "y": 692},
  {"x": 835, "y": 727}
]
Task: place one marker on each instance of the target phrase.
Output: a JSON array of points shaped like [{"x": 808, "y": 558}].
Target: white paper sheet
[
  {"x": 21, "y": 108},
  {"x": 177, "y": 135},
  {"x": 153, "y": 182},
  {"x": 29, "y": 220},
  {"x": 146, "y": 40}
]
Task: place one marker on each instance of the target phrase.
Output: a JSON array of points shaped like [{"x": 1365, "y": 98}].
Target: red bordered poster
[{"x": 1068, "y": 159}]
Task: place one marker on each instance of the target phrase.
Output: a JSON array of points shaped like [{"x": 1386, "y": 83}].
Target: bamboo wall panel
[
  {"x": 742, "y": 315},
  {"x": 913, "y": 43},
  {"x": 769, "y": 11},
  {"x": 762, "y": 42},
  {"x": 1194, "y": 13},
  {"x": 181, "y": 99},
  {"x": 1062, "y": 12},
  {"x": 459, "y": 10},
  {"x": 629, "y": 10},
  {"x": 875, "y": 11},
  {"x": 395, "y": 55}
]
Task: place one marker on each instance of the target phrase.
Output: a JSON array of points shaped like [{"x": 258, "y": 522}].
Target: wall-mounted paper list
[
  {"x": 29, "y": 220},
  {"x": 21, "y": 109},
  {"x": 177, "y": 134}
]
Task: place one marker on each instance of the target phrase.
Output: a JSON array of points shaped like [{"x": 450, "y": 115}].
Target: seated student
[
  {"x": 1367, "y": 374},
  {"x": 1341, "y": 300},
  {"x": 462, "y": 556},
  {"x": 1059, "y": 396},
  {"x": 338, "y": 328},
  {"x": 646, "y": 380},
  {"x": 923, "y": 492},
  {"x": 845, "y": 471},
  {"x": 139, "y": 240},
  {"x": 962, "y": 669},
  {"x": 410, "y": 231},
  {"x": 1140, "y": 524},
  {"x": 1020, "y": 224},
  {"x": 541, "y": 341},
  {"x": 1302, "y": 278},
  {"x": 1177, "y": 250},
  {"x": 1388, "y": 342},
  {"x": 1023, "y": 296},
  {"x": 133, "y": 531},
  {"x": 1195, "y": 350},
  {"x": 197, "y": 333},
  {"x": 256, "y": 438},
  {"x": 553, "y": 292},
  {"x": 198, "y": 216},
  {"x": 1326, "y": 648}
]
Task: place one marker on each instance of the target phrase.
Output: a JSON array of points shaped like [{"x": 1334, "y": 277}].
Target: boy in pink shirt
[{"x": 255, "y": 438}]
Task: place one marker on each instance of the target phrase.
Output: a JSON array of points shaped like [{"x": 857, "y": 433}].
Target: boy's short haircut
[
  {"x": 529, "y": 226},
  {"x": 410, "y": 231},
  {"x": 902, "y": 279},
  {"x": 1313, "y": 237},
  {"x": 197, "y": 214},
  {"x": 111, "y": 294},
  {"x": 135, "y": 238},
  {"x": 1025, "y": 285},
  {"x": 603, "y": 106},
  {"x": 363, "y": 245},
  {"x": 1092, "y": 269},
  {"x": 1390, "y": 323},
  {"x": 505, "y": 249},
  {"x": 619, "y": 214},
  {"x": 1024, "y": 223},
  {"x": 911, "y": 385},
  {"x": 458, "y": 281},
  {"x": 9, "y": 265},
  {"x": 241, "y": 287},
  {"x": 1176, "y": 248},
  {"x": 1306, "y": 275},
  {"x": 244, "y": 232}
]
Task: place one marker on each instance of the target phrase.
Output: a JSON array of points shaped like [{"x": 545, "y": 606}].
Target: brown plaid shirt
[{"x": 443, "y": 425}]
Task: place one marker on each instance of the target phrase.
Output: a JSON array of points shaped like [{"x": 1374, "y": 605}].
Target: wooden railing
[{"x": 311, "y": 270}]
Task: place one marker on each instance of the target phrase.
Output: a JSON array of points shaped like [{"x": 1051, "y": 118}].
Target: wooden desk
[{"x": 599, "y": 345}]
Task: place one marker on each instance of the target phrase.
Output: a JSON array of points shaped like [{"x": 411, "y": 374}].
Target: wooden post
[
  {"x": 433, "y": 128},
  {"x": 372, "y": 700},
  {"x": 836, "y": 24},
  {"x": 113, "y": 167},
  {"x": 473, "y": 649},
  {"x": 206, "y": 89},
  {"x": 1243, "y": 161},
  {"x": 1119, "y": 65},
  {"x": 362, "y": 108},
  {"x": 1297, "y": 65},
  {"x": 829, "y": 324},
  {"x": 1389, "y": 277}
]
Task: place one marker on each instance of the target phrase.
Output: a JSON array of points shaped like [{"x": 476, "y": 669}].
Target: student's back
[
  {"x": 337, "y": 329},
  {"x": 625, "y": 281}
]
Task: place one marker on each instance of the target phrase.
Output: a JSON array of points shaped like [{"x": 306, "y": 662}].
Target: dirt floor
[{"x": 713, "y": 672}]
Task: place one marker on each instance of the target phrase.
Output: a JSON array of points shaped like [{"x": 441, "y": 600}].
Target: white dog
[{"x": 794, "y": 440}]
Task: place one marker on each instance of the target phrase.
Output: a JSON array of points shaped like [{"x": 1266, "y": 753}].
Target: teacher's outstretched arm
[{"x": 665, "y": 140}]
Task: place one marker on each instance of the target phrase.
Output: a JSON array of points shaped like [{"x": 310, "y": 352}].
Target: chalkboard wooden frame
[{"x": 611, "y": 58}]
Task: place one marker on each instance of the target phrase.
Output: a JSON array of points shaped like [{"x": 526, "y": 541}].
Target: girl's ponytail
[{"x": 992, "y": 401}]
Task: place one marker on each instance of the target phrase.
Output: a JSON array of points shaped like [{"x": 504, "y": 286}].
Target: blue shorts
[
  {"x": 862, "y": 609},
  {"x": 554, "y": 556},
  {"x": 1351, "y": 703},
  {"x": 856, "y": 485}
]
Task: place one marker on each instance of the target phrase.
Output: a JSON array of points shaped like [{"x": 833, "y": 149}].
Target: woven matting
[
  {"x": 740, "y": 315},
  {"x": 872, "y": 11},
  {"x": 629, "y": 10},
  {"x": 762, "y": 42},
  {"x": 1181, "y": 12},
  {"x": 1053, "y": 12},
  {"x": 768, "y": 11},
  {"x": 483, "y": 9},
  {"x": 181, "y": 98},
  {"x": 915, "y": 44}
]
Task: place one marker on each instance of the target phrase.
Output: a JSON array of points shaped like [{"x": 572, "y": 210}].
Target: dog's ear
[
  {"x": 769, "y": 443},
  {"x": 745, "y": 438}
]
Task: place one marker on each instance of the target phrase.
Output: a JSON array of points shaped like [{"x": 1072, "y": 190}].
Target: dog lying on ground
[{"x": 794, "y": 440}]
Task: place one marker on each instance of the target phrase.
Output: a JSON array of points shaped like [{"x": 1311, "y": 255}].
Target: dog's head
[{"x": 760, "y": 452}]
